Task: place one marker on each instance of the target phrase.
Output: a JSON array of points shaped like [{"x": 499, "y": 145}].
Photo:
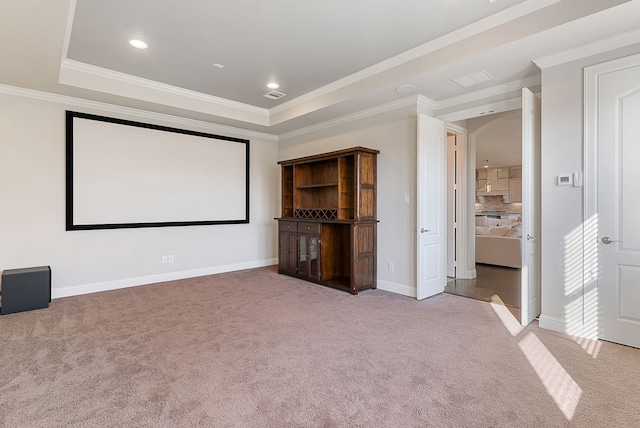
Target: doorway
[
  {"x": 431, "y": 224},
  {"x": 496, "y": 170}
]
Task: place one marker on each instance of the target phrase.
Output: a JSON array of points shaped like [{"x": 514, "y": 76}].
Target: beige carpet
[{"x": 257, "y": 349}]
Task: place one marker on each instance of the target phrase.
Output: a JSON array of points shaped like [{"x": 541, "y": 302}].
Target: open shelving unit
[{"x": 327, "y": 232}]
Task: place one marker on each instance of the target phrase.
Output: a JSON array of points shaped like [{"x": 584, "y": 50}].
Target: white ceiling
[
  {"x": 332, "y": 57},
  {"x": 302, "y": 44}
]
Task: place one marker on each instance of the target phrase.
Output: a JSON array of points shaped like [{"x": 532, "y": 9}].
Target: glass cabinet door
[
  {"x": 309, "y": 256},
  {"x": 314, "y": 267},
  {"x": 303, "y": 266}
]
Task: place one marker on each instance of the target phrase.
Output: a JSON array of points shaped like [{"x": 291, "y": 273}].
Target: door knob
[
  {"x": 607, "y": 240},
  {"x": 530, "y": 238},
  {"x": 423, "y": 230}
]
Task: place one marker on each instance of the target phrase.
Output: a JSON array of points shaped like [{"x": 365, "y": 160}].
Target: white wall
[
  {"x": 563, "y": 305},
  {"x": 394, "y": 134},
  {"x": 32, "y": 210}
]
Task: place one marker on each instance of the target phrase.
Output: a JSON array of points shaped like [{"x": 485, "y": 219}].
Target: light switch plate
[{"x": 577, "y": 179}]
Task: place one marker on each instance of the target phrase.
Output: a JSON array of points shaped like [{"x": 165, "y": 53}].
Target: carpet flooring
[{"x": 257, "y": 349}]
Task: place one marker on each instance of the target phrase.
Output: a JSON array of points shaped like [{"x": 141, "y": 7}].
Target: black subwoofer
[{"x": 25, "y": 289}]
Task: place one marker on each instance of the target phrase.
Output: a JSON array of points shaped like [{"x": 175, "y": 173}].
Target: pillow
[
  {"x": 493, "y": 221},
  {"x": 500, "y": 231},
  {"x": 483, "y": 230},
  {"x": 515, "y": 232},
  {"x": 507, "y": 222},
  {"x": 481, "y": 220}
]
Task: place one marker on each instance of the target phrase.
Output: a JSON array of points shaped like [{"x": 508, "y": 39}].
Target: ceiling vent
[
  {"x": 472, "y": 79},
  {"x": 274, "y": 95}
]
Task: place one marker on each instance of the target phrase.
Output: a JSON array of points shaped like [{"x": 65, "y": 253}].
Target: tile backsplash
[{"x": 496, "y": 203}]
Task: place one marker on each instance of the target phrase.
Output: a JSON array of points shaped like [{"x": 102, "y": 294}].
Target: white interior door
[
  {"x": 618, "y": 203},
  {"x": 431, "y": 207},
  {"x": 531, "y": 141}
]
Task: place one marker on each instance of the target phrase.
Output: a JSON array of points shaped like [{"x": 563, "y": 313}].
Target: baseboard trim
[
  {"x": 552, "y": 323},
  {"x": 405, "y": 290},
  {"x": 77, "y": 290},
  {"x": 467, "y": 274}
]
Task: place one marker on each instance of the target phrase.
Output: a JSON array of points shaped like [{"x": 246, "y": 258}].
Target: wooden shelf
[
  {"x": 339, "y": 282},
  {"x": 337, "y": 192},
  {"x": 312, "y": 186}
]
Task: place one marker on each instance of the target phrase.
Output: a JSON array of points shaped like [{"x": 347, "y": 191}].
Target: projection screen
[{"x": 125, "y": 174}]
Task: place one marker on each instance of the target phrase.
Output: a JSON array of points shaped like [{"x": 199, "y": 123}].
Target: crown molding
[
  {"x": 433, "y": 106},
  {"x": 261, "y": 115},
  {"x": 152, "y": 84},
  {"x": 383, "y": 108},
  {"x": 67, "y": 32},
  {"x": 492, "y": 21},
  {"x": 427, "y": 102},
  {"x": 128, "y": 111},
  {"x": 504, "y": 88},
  {"x": 497, "y": 107},
  {"x": 598, "y": 47}
]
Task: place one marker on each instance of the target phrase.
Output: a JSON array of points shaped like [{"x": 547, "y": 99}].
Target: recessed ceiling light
[
  {"x": 273, "y": 85},
  {"x": 216, "y": 65},
  {"x": 138, "y": 44},
  {"x": 406, "y": 89}
]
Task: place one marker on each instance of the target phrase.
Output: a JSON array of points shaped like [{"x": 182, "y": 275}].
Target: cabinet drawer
[
  {"x": 309, "y": 228},
  {"x": 291, "y": 226}
]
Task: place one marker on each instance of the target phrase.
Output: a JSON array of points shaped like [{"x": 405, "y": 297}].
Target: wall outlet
[
  {"x": 171, "y": 258},
  {"x": 392, "y": 267},
  {"x": 164, "y": 259}
]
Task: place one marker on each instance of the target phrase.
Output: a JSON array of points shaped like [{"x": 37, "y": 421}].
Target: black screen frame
[{"x": 70, "y": 224}]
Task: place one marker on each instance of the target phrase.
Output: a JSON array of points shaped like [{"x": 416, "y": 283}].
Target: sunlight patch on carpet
[
  {"x": 590, "y": 346},
  {"x": 558, "y": 383},
  {"x": 510, "y": 322}
]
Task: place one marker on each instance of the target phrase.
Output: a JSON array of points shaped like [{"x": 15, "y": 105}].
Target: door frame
[{"x": 463, "y": 226}]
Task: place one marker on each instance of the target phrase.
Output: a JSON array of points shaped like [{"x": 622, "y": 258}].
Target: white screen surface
[{"x": 126, "y": 174}]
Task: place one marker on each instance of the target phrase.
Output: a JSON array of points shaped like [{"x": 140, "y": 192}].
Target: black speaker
[{"x": 25, "y": 289}]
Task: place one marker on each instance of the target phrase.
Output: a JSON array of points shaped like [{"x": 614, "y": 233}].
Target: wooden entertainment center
[{"x": 327, "y": 232}]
